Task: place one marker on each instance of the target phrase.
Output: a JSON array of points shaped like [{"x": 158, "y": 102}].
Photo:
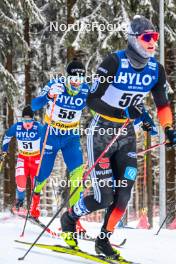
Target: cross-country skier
[
  {"x": 27, "y": 133},
  {"x": 130, "y": 75},
  {"x": 71, "y": 92}
]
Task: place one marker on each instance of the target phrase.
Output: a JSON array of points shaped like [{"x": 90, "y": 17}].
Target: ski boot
[
  {"x": 19, "y": 204},
  {"x": 103, "y": 247},
  {"x": 69, "y": 234},
  {"x": 34, "y": 209},
  {"x": 18, "y": 208}
]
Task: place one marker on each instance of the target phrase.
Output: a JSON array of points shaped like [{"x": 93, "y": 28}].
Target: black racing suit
[{"x": 120, "y": 162}]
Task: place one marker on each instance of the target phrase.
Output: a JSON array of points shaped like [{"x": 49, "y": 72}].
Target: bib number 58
[{"x": 66, "y": 114}]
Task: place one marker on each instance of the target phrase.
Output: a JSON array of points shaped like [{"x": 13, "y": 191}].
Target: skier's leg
[
  {"x": 124, "y": 164},
  {"x": 103, "y": 192},
  {"x": 21, "y": 179},
  {"x": 72, "y": 154},
  {"x": 101, "y": 175},
  {"x": 33, "y": 169},
  {"x": 51, "y": 149},
  {"x": 125, "y": 167}
]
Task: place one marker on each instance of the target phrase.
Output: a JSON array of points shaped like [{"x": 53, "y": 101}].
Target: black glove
[
  {"x": 134, "y": 112},
  {"x": 148, "y": 124},
  {"x": 171, "y": 136}
]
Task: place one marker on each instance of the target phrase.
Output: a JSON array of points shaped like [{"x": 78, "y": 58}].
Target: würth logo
[{"x": 104, "y": 163}]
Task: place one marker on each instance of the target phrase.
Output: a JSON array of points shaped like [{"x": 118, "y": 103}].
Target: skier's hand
[
  {"x": 134, "y": 112},
  {"x": 171, "y": 136},
  {"x": 55, "y": 90},
  {"x": 148, "y": 124}
]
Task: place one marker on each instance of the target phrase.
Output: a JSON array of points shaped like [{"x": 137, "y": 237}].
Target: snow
[{"x": 142, "y": 246}]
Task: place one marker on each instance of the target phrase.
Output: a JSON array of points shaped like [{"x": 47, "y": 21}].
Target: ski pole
[
  {"x": 106, "y": 149},
  {"x": 152, "y": 147},
  {"x": 70, "y": 196},
  {"x": 39, "y": 166},
  {"x": 165, "y": 219}
]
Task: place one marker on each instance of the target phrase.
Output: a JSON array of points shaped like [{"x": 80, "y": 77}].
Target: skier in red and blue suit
[{"x": 28, "y": 134}]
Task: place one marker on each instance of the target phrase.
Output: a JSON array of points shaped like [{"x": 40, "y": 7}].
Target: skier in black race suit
[{"x": 137, "y": 73}]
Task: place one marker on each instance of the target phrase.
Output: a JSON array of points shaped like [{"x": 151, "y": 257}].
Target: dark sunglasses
[
  {"x": 148, "y": 36},
  {"x": 27, "y": 120}
]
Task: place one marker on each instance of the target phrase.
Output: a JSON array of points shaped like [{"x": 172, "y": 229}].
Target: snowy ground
[{"x": 142, "y": 246}]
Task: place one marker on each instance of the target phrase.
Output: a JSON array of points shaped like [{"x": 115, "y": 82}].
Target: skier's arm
[
  {"x": 52, "y": 89},
  {"x": 40, "y": 127},
  {"x": 163, "y": 107},
  {"x": 106, "y": 69},
  {"x": 7, "y": 137},
  {"x": 161, "y": 100},
  {"x": 40, "y": 101}
]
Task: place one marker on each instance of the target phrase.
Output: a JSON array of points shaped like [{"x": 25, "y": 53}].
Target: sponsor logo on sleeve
[
  {"x": 130, "y": 173},
  {"x": 94, "y": 86},
  {"x": 124, "y": 63}
]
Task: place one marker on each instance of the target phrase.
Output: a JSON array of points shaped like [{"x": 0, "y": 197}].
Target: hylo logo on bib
[{"x": 134, "y": 78}]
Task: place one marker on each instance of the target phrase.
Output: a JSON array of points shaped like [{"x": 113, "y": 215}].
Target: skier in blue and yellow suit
[{"x": 71, "y": 94}]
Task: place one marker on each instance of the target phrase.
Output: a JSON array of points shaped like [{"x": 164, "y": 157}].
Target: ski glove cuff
[{"x": 171, "y": 136}]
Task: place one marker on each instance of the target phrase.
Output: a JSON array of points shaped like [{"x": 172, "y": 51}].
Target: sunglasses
[
  {"x": 150, "y": 35},
  {"x": 75, "y": 80},
  {"x": 27, "y": 120}
]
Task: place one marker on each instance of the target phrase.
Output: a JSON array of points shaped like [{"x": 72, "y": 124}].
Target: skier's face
[
  {"x": 28, "y": 122},
  {"x": 74, "y": 83},
  {"x": 148, "y": 41}
]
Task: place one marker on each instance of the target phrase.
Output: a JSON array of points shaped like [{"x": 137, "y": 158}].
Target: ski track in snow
[{"x": 142, "y": 246}]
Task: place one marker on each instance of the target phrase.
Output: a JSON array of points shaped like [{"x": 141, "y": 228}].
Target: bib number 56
[{"x": 130, "y": 99}]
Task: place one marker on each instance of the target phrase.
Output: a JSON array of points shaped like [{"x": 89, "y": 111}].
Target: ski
[
  {"x": 37, "y": 222},
  {"x": 82, "y": 236},
  {"x": 120, "y": 244},
  {"x": 69, "y": 251},
  {"x": 86, "y": 237},
  {"x": 57, "y": 235}
]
